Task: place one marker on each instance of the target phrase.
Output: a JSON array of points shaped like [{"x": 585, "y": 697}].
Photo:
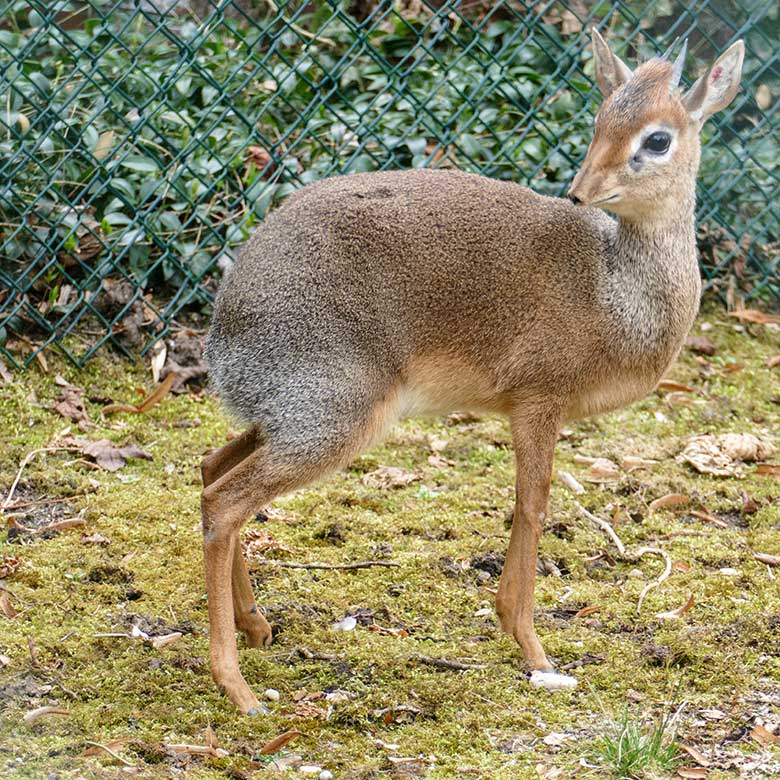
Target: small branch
[
  {"x": 604, "y": 526},
  {"x": 111, "y": 753},
  {"x": 313, "y": 655},
  {"x": 328, "y": 566},
  {"x": 667, "y": 571},
  {"x": 25, "y": 461},
  {"x": 443, "y": 663}
]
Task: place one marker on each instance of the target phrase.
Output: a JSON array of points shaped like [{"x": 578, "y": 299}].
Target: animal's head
[{"x": 644, "y": 155}]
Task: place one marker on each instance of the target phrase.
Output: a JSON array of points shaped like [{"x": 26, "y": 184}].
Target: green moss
[{"x": 487, "y": 721}]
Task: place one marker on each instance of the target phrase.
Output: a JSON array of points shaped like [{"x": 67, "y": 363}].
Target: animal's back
[{"x": 385, "y": 267}]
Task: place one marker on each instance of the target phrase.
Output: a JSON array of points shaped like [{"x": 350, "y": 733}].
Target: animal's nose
[{"x": 573, "y": 198}]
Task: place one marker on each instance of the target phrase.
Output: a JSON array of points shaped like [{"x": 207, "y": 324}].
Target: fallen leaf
[
  {"x": 722, "y": 455},
  {"x": 95, "y": 538},
  {"x": 701, "y": 345},
  {"x": 764, "y": 737},
  {"x": 99, "y": 751},
  {"x": 258, "y": 542},
  {"x": 165, "y": 639},
  {"x": 749, "y": 504},
  {"x": 695, "y": 754},
  {"x": 670, "y": 499},
  {"x": 772, "y": 361},
  {"x": 585, "y": 611},
  {"x": 692, "y": 772},
  {"x": 304, "y": 709},
  {"x": 6, "y": 607},
  {"x": 670, "y": 385},
  {"x": 277, "y": 743},
  {"x": 347, "y": 624},
  {"x": 677, "y": 613},
  {"x": 753, "y": 315},
  {"x": 768, "y": 470},
  {"x": 34, "y": 715},
  {"x": 633, "y": 463},
  {"x": 681, "y": 566},
  {"x": 70, "y": 404},
  {"x": 389, "y": 477},
  {"x": 157, "y": 361},
  {"x": 104, "y": 143},
  {"x": 107, "y": 455},
  {"x": 8, "y": 565},
  {"x": 601, "y": 470},
  {"x": 769, "y": 560},
  {"x": 708, "y": 517},
  {"x": 555, "y": 738},
  {"x": 147, "y": 403}
]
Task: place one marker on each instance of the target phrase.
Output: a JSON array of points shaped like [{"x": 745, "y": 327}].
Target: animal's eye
[{"x": 657, "y": 142}]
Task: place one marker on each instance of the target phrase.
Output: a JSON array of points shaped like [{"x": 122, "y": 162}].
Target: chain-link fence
[{"x": 141, "y": 142}]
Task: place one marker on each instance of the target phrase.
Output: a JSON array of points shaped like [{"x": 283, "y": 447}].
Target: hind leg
[
  {"x": 291, "y": 456},
  {"x": 247, "y": 617}
]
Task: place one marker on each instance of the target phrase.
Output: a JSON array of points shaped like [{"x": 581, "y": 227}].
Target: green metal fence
[{"x": 140, "y": 142}]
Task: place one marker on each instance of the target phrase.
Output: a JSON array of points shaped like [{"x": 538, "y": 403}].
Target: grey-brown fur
[{"x": 355, "y": 276}]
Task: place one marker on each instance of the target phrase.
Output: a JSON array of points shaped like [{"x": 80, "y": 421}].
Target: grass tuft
[{"x": 636, "y": 751}]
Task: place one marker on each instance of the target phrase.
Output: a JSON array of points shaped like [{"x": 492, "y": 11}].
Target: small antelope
[{"x": 370, "y": 297}]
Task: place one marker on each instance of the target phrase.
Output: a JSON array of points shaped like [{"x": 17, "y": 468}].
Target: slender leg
[
  {"x": 248, "y": 619},
  {"x": 534, "y": 430}
]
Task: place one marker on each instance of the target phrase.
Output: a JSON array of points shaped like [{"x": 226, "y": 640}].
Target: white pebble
[
  {"x": 729, "y": 572},
  {"x": 552, "y": 681},
  {"x": 345, "y": 625},
  {"x": 310, "y": 769},
  {"x": 272, "y": 694},
  {"x": 326, "y": 774}
]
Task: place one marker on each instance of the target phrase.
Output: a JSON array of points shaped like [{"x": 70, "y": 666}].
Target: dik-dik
[{"x": 371, "y": 297}]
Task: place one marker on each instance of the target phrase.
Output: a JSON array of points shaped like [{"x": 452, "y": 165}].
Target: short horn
[
  {"x": 668, "y": 52},
  {"x": 679, "y": 64}
]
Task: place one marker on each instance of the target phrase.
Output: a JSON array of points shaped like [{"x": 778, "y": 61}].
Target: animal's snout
[{"x": 573, "y": 198}]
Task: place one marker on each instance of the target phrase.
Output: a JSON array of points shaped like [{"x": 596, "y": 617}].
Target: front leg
[{"x": 535, "y": 432}]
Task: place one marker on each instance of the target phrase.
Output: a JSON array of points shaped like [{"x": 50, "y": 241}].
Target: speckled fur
[{"x": 422, "y": 291}]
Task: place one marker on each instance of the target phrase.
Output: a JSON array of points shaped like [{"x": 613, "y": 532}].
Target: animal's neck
[{"x": 654, "y": 282}]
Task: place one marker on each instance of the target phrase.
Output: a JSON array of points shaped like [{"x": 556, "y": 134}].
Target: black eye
[{"x": 657, "y": 142}]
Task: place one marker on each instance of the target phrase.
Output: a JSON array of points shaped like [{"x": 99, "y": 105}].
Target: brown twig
[
  {"x": 443, "y": 663},
  {"x": 110, "y": 753},
  {"x": 328, "y": 566}
]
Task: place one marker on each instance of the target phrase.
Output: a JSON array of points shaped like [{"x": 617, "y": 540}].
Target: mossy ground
[{"x": 722, "y": 655}]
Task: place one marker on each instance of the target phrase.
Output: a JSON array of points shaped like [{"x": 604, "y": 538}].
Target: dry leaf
[
  {"x": 695, "y": 754},
  {"x": 6, "y": 607},
  {"x": 769, "y": 560},
  {"x": 34, "y": 715},
  {"x": 210, "y": 738},
  {"x": 70, "y": 403},
  {"x": 389, "y": 477},
  {"x": 258, "y": 542},
  {"x": 585, "y": 611},
  {"x": 764, "y": 737},
  {"x": 107, "y": 455},
  {"x": 277, "y": 743},
  {"x": 753, "y": 315},
  {"x": 671, "y": 385},
  {"x": 708, "y": 517},
  {"x": 670, "y": 499},
  {"x": 99, "y": 751},
  {"x": 692, "y": 772},
  {"x": 157, "y": 361},
  {"x": 768, "y": 470},
  {"x": 95, "y": 538},
  {"x": 701, "y": 345},
  {"x": 721, "y": 455},
  {"x": 197, "y": 750},
  {"x": 677, "y": 613},
  {"x": 633, "y": 463},
  {"x": 104, "y": 144},
  {"x": 603, "y": 470},
  {"x": 165, "y": 639},
  {"x": 303, "y": 709},
  {"x": 147, "y": 403},
  {"x": 772, "y": 361},
  {"x": 8, "y": 565}
]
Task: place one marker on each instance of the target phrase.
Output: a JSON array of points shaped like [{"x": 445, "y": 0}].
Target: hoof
[
  {"x": 551, "y": 680},
  {"x": 258, "y": 710}
]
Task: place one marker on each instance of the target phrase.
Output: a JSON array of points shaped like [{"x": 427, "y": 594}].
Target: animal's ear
[
  {"x": 611, "y": 71},
  {"x": 714, "y": 90}
]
